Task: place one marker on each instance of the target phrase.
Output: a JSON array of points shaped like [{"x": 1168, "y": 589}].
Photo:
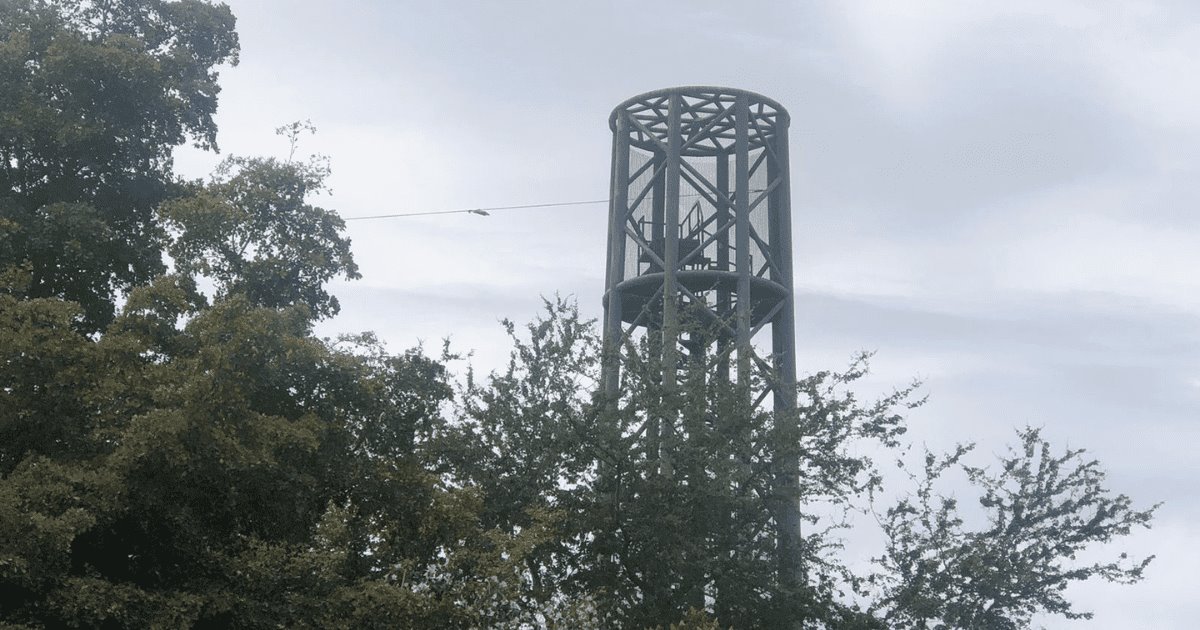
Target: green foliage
[
  {"x": 252, "y": 231},
  {"x": 96, "y": 95},
  {"x": 663, "y": 503},
  {"x": 1043, "y": 510},
  {"x": 660, "y": 502},
  {"x": 47, "y": 366},
  {"x": 520, "y": 439},
  {"x": 696, "y": 619},
  {"x": 234, "y": 471},
  {"x": 686, "y": 512}
]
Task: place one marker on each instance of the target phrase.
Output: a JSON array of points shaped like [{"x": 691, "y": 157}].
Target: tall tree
[
  {"x": 1042, "y": 510},
  {"x": 522, "y": 437},
  {"x": 252, "y": 230},
  {"x": 232, "y": 472},
  {"x": 96, "y": 95}
]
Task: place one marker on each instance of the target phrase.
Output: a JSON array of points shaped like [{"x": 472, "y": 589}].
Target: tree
[
  {"x": 649, "y": 540},
  {"x": 252, "y": 231},
  {"x": 185, "y": 463},
  {"x": 646, "y": 540},
  {"x": 233, "y": 472},
  {"x": 521, "y": 437},
  {"x": 1042, "y": 510},
  {"x": 96, "y": 95}
]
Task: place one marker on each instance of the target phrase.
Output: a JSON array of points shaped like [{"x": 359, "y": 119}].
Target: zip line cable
[
  {"x": 479, "y": 211},
  {"x": 486, "y": 211}
]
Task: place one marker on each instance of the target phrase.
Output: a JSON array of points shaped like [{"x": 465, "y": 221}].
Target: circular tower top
[{"x": 706, "y": 132}]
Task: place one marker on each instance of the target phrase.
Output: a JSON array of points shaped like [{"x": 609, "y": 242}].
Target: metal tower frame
[
  {"x": 700, "y": 222},
  {"x": 700, "y": 262}
]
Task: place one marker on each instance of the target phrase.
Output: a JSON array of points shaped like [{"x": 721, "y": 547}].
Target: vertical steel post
[
  {"x": 783, "y": 325},
  {"x": 670, "y": 333},
  {"x": 618, "y": 213},
  {"x": 724, "y": 303},
  {"x": 742, "y": 237},
  {"x": 783, "y": 349}
]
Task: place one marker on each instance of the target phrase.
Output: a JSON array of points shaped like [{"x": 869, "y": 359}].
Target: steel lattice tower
[
  {"x": 700, "y": 261},
  {"x": 700, "y": 227}
]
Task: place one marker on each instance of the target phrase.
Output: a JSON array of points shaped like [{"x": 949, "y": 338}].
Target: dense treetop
[{"x": 96, "y": 96}]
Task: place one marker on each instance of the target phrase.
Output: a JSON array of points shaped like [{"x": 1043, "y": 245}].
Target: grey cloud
[{"x": 994, "y": 133}]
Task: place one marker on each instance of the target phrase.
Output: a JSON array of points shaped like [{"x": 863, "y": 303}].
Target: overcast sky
[{"x": 999, "y": 198}]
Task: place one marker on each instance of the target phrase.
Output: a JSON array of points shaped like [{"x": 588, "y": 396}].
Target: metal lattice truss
[
  {"x": 707, "y": 119},
  {"x": 699, "y": 234}
]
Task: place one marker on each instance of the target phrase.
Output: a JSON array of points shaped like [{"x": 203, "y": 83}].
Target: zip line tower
[
  {"x": 700, "y": 258},
  {"x": 700, "y": 228}
]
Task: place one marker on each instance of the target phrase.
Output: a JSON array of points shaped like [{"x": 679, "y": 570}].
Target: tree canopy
[
  {"x": 96, "y": 96},
  {"x": 171, "y": 458}
]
